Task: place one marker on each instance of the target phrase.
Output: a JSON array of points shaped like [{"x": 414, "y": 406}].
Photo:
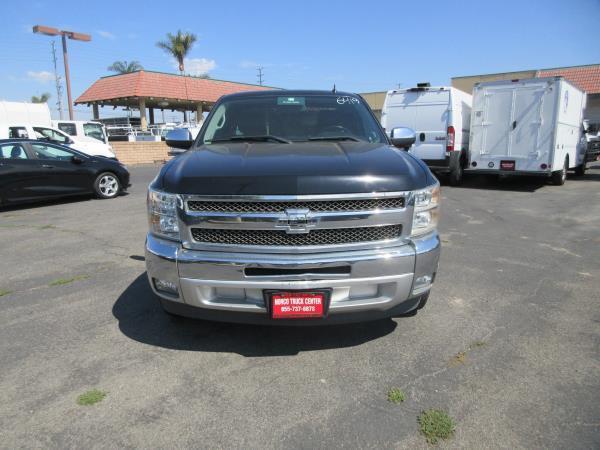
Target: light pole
[{"x": 49, "y": 31}]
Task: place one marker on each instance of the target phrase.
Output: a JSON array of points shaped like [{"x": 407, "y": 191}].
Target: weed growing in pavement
[
  {"x": 396, "y": 395},
  {"x": 435, "y": 424},
  {"x": 458, "y": 359},
  {"x": 61, "y": 281},
  {"x": 91, "y": 397},
  {"x": 4, "y": 292}
]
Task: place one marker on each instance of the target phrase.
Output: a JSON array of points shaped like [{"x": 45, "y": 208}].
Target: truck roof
[
  {"x": 419, "y": 89},
  {"x": 525, "y": 81},
  {"x": 290, "y": 92}
]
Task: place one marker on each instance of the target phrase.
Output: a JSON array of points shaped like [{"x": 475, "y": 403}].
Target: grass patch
[
  {"x": 47, "y": 227},
  {"x": 436, "y": 424},
  {"x": 458, "y": 359},
  {"x": 4, "y": 292},
  {"x": 61, "y": 281},
  {"x": 91, "y": 397},
  {"x": 477, "y": 344},
  {"x": 396, "y": 395}
]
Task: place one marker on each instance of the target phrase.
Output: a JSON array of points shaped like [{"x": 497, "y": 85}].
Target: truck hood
[{"x": 299, "y": 168}]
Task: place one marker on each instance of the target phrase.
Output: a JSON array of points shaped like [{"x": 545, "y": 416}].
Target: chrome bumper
[{"x": 377, "y": 281}]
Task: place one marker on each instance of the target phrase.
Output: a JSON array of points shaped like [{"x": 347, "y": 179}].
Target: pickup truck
[{"x": 293, "y": 207}]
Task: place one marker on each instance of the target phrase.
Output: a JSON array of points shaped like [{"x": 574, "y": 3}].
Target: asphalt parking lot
[{"x": 508, "y": 343}]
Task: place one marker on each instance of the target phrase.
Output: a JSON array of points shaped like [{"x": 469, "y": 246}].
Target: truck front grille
[
  {"x": 280, "y": 206},
  {"x": 337, "y": 236}
]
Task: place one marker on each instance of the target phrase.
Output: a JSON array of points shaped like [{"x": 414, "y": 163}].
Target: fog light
[
  {"x": 422, "y": 284},
  {"x": 168, "y": 287}
]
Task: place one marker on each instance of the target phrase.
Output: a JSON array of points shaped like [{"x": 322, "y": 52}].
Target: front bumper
[{"x": 218, "y": 286}]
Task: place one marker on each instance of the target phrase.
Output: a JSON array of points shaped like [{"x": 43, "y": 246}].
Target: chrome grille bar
[
  {"x": 336, "y": 236},
  {"x": 281, "y": 206}
]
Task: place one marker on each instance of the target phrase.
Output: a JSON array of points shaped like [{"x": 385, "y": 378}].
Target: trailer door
[
  {"x": 526, "y": 122},
  {"x": 495, "y": 121}
]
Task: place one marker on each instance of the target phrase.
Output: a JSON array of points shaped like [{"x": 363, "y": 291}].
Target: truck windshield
[{"x": 285, "y": 119}]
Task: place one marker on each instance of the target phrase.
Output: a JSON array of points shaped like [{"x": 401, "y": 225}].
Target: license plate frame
[{"x": 269, "y": 295}]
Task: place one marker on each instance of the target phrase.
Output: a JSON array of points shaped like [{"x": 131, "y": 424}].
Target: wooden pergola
[{"x": 156, "y": 90}]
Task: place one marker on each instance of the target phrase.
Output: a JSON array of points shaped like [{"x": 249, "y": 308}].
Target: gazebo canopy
[{"x": 145, "y": 89}]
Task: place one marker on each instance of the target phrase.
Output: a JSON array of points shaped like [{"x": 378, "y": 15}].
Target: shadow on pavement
[
  {"x": 55, "y": 201},
  {"x": 142, "y": 319},
  {"x": 519, "y": 183}
]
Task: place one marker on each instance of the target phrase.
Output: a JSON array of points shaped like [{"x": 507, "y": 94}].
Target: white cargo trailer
[
  {"x": 440, "y": 117},
  {"x": 527, "y": 127}
]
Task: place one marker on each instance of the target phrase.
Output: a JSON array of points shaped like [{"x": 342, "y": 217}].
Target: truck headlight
[
  {"x": 426, "y": 212},
  {"x": 162, "y": 213}
]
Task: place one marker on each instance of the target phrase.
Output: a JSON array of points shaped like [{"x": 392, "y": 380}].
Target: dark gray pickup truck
[{"x": 293, "y": 207}]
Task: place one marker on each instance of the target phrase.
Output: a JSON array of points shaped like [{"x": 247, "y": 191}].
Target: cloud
[
  {"x": 197, "y": 66},
  {"x": 41, "y": 77},
  {"x": 107, "y": 35}
]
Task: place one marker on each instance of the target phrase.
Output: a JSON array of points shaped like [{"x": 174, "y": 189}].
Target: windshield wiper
[
  {"x": 335, "y": 138},
  {"x": 263, "y": 138}
]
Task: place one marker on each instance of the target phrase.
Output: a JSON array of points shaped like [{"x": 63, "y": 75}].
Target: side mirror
[
  {"x": 179, "y": 138},
  {"x": 402, "y": 137},
  {"x": 76, "y": 159}
]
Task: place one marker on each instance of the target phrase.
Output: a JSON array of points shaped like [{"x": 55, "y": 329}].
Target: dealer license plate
[{"x": 297, "y": 305}]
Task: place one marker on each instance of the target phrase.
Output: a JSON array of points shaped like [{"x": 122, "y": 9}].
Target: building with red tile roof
[{"x": 145, "y": 89}]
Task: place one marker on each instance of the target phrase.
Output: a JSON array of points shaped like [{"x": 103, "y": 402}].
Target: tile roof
[
  {"x": 162, "y": 85},
  {"x": 586, "y": 78}
]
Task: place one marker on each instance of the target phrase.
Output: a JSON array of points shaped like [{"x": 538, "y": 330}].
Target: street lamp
[{"x": 49, "y": 31}]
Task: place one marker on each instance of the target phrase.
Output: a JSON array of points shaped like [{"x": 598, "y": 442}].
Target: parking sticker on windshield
[
  {"x": 347, "y": 100},
  {"x": 291, "y": 101}
]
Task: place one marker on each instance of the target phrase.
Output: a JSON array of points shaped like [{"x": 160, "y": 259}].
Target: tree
[
  {"x": 41, "y": 99},
  {"x": 178, "y": 46},
  {"x": 125, "y": 67}
]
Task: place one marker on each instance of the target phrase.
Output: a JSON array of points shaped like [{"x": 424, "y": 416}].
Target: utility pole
[
  {"x": 58, "y": 84},
  {"x": 49, "y": 31},
  {"x": 259, "y": 75}
]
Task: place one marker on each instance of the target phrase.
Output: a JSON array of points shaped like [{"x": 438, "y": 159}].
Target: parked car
[
  {"x": 441, "y": 117},
  {"x": 33, "y": 121},
  {"x": 32, "y": 170},
  {"x": 293, "y": 207},
  {"x": 591, "y": 141},
  {"x": 47, "y": 133},
  {"x": 528, "y": 127},
  {"x": 83, "y": 130}
]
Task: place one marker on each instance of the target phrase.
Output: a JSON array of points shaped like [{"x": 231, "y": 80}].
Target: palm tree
[
  {"x": 125, "y": 67},
  {"x": 41, "y": 99},
  {"x": 178, "y": 46}
]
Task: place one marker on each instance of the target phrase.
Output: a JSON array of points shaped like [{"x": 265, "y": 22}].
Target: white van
[
  {"x": 28, "y": 131},
  {"x": 440, "y": 117},
  {"x": 23, "y": 118},
  {"x": 531, "y": 127}
]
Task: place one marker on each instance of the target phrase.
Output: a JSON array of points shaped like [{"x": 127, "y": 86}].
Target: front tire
[
  {"x": 107, "y": 185},
  {"x": 560, "y": 176}
]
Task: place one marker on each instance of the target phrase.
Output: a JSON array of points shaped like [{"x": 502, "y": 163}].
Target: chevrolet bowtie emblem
[{"x": 296, "y": 221}]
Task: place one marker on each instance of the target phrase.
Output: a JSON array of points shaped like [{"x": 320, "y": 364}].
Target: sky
[{"x": 361, "y": 46}]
